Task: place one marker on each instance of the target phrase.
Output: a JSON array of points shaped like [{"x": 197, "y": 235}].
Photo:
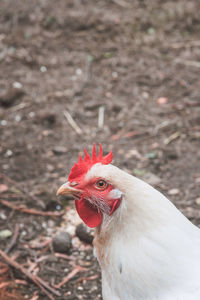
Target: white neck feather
[{"x": 146, "y": 233}]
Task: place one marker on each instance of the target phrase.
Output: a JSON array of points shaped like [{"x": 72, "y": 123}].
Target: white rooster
[{"x": 145, "y": 246}]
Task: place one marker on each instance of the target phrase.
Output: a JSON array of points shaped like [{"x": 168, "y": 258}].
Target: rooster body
[{"x": 145, "y": 246}]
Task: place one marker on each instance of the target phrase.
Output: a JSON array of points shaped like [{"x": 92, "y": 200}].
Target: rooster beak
[{"x": 66, "y": 189}]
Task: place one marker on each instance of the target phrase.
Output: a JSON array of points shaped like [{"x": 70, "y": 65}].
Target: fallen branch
[
  {"x": 13, "y": 240},
  {"x": 31, "y": 211},
  {"x": 34, "y": 278}
]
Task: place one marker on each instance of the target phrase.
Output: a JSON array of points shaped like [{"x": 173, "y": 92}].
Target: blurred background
[{"x": 120, "y": 72}]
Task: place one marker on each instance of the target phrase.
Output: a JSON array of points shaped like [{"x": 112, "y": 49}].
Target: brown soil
[{"x": 85, "y": 57}]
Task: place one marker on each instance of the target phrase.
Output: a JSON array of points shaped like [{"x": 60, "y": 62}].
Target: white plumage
[{"x": 147, "y": 249}]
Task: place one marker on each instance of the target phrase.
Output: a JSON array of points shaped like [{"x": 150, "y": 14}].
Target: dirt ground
[{"x": 127, "y": 73}]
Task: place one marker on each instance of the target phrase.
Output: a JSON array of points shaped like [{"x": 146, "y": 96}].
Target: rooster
[{"x": 147, "y": 249}]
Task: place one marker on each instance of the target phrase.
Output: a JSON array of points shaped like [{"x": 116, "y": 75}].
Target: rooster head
[{"x": 91, "y": 186}]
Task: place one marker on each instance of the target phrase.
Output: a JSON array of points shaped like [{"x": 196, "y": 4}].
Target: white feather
[{"x": 150, "y": 251}]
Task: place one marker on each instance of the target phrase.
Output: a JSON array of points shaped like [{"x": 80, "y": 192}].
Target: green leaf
[
  {"x": 6, "y": 233},
  {"x": 139, "y": 172},
  {"x": 151, "y": 155}
]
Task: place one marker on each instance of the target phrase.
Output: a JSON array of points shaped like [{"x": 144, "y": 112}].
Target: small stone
[
  {"x": 59, "y": 150},
  {"x": 31, "y": 114},
  {"x": 79, "y": 72},
  {"x": 84, "y": 233},
  {"x": 17, "y": 85},
  {"x": 151, "y": 31},
  {"x": 4, "y": 122},
  {"x": 4, "y": 234},
  {"x": 9, "y": 153},
  {"x": 18, "y": 118},
  {"x": 198, "y": 201},
  {"x": 9, "y": 97},
  {"x": 197, "y": 180},
  {"x": 3, "y": 216},
  {"x": 173, "y": 192},
  {"x": 43, "y": 69},
  {"x": 162, "y": 100},
  {"x": 115, "y": 75},
  {"x": 50, "y": 168},
  {"x": 145, "y": 95},
  {"x": 62, "y": 242}
]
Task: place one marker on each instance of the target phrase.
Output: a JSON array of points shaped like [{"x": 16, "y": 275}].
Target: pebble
[
  {"x": 4, "y": 122},
  {"x": 173, "y": 192},
  {"x": 198, "y": 201},
  {"x": 62, "y": 242},
  {"x": 84, "y": 233},
  {"x": 9, "y": 97},
  {"x": 3, "y": 216},
  {"x": 162, "y": 100},
  {"x": 43, "y": 69},
  {"x": 58, "y": 150},
  {"x": 79, "y": 72},
  {"x": 17, "y": 85},
  {"x": 8, "y": 153}
]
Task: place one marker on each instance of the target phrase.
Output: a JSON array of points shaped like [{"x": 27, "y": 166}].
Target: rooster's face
[{"x": 94, "y": 194}]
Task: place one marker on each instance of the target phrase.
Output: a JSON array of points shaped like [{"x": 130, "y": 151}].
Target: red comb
[{"x": 85, "y": 164}]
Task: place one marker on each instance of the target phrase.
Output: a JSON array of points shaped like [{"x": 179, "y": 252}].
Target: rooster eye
[{"x": 101, "y": 184}]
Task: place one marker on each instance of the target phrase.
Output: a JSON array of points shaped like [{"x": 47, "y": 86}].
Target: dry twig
[
  {"x": 31, "y": 211},
  {"x": 172, "y": 137},
  {"x": 93, "y": 277},
  {"x": 13, "y": 240},
  {"x": 101, "y": 116},
  {"x": 65, "y": 256},
  {"x": 69, "y": 276},
  {"x": 72, "y": 122},
  {"x": 44, "y": 286}
]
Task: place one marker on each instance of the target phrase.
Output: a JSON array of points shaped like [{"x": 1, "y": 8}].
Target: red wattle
[{"x": 90, "y": 215}]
